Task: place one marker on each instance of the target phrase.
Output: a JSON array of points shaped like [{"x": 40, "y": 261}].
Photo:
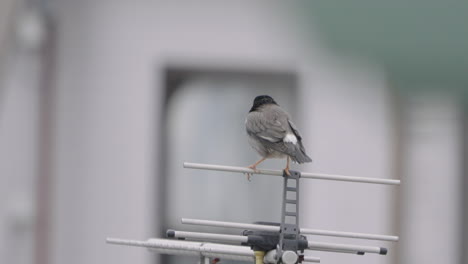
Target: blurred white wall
[
  {"x": 19, "y": 129},
  {"x": 20, "y": 81},
  {"x": 8, "y": 10},
  {"x": 347, "y": 110},
  {"x": 431, "y": 227}
]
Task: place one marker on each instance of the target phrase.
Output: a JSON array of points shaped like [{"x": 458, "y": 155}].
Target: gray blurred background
[{"x": 102, "y": 101}]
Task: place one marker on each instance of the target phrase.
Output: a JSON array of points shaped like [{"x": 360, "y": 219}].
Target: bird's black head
[{"x": 262, "y": 100}]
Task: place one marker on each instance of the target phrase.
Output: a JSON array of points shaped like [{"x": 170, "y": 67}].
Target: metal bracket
[{"x": 289, "y": 232}]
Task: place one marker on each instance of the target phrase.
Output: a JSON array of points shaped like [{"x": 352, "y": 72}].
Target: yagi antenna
[{"x": 283, "y": 242}]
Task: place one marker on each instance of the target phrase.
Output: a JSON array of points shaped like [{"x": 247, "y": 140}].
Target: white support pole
[
  {"x": 304, "y": 231},
  {"x": 307, "y": 175}
]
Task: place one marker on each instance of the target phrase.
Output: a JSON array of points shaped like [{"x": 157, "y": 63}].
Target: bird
[{"x": 272, "y": 134}]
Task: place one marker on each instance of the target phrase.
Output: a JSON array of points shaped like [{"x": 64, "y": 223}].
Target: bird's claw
[
  {"x": 249, "y": 174},
  {"x": 286, "y": 170}
]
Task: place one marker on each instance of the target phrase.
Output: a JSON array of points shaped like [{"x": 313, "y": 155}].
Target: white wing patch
[{"x": 290, "y": 138}]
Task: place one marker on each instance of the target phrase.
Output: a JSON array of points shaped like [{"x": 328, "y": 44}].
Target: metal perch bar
[
  {"x": 304, "y": 231},
  {"x": 308, "y": 175}
]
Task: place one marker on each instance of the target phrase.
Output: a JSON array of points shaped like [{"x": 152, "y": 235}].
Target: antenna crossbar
[
  {"x": 200, "y": 249},
  {"x": 303, "y": 231},
  {"x": 307, "y": 175},
  {"x": 318, "y": 246}
]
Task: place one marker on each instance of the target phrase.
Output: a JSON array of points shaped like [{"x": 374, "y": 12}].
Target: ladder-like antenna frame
[{"x": 290, "y": 235}]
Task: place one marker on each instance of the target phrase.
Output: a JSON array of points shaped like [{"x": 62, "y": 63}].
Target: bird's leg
[
  {"x": 254, "y": 167},
  {"x": 287, "y": 167}
]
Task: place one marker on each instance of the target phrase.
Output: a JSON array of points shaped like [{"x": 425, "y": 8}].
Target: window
[{"x": 204, "y": 122}]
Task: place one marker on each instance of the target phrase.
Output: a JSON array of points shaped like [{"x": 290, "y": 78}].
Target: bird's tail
[{"x": 301, "y": 156}]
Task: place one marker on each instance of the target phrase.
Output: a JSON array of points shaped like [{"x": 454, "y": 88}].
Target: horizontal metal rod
[
  {"x": 129, "y": 242},
  {"x": 202, "y": 222},
  {"x": 190, "y": 248},
  {"x": 206, "y": 236},
  {"x": 178, "y": 247},
  {"x": 316, "y": 232},
  {"x": 321, "y": 246},
  {"x": 311, "y": 259},
  {"x": 304, "y": 231},
  {"x": 307, "y": 175},
  {"x": 344, "y": 248}
]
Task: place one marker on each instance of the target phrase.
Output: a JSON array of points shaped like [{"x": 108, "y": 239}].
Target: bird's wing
[
  {"x": 301, "y": 155},
  {"x": 268, "y": 129},
  {"x": 295, "y": 131}
]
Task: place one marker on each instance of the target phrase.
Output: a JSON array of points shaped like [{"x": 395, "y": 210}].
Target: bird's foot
[
  {"x": 248, "y": 174},
  {"x": 286, "y": 170}
]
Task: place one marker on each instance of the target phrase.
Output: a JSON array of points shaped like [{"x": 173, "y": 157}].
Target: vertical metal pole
[
  {"x": 204, "y": 260},
  {"x": 46, "y": 139}
]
